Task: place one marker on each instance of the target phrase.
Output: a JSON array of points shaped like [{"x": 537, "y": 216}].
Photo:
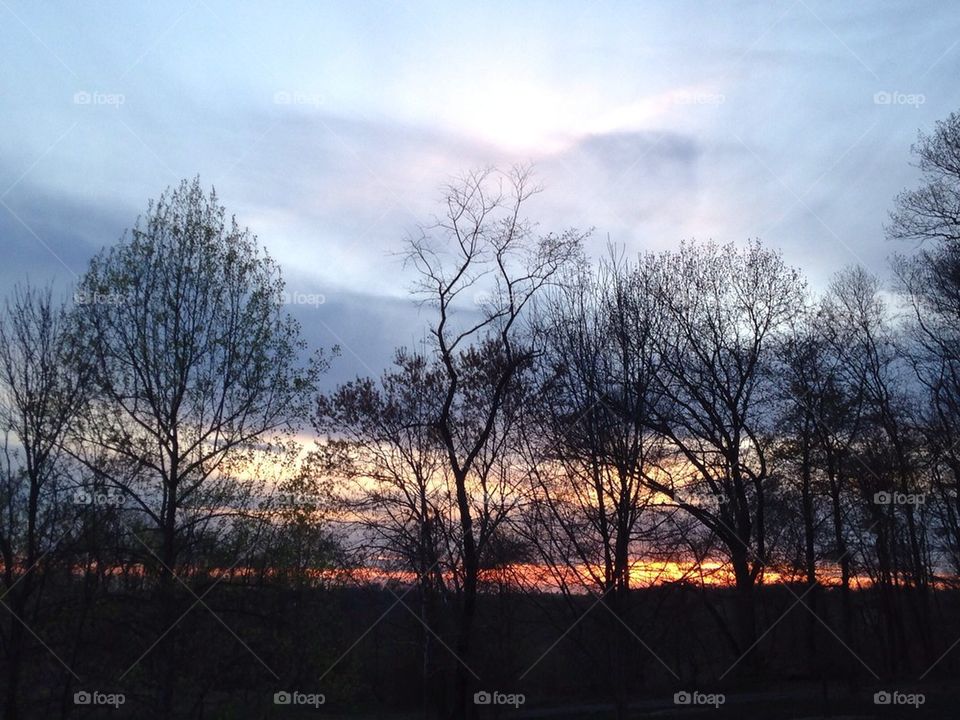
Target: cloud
[
  {"x": 625, "y": 183},
  {"x": 50, "y": 236},
  {"x": 367, "y": 328},
  {"x": 619, "y": 109}
]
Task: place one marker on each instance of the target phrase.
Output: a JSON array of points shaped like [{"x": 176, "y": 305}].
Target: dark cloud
[
  {"x": 367, "y": 328},
  {"x": 65, "y": 232},
  {"x": 49, "y": 237}
]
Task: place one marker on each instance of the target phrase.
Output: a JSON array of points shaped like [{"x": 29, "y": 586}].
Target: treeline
[{"x": 491, "y": 507}]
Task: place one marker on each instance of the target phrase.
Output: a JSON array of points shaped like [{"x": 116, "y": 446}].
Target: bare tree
[
  {"x": 590, "y": 444},
  {"x": 391, "y": 482},
  {"x": 820, "y": 427},
  {"x": 41, "y": 391},
  {"x": 727, "y": 309},
  {"x": 930, "y": 280},
  {"x": 931, "y": 212},
  {"x": 888, "y": 454},
  {"x": 481, "y": 245}
]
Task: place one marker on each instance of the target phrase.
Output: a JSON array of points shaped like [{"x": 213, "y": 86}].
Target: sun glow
[{"x": 518, "y": 116}]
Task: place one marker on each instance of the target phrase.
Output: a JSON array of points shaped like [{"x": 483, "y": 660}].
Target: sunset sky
[{"x": 329, "y": 129}]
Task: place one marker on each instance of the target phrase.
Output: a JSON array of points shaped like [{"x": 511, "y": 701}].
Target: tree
[
  {"x": 931, "y": 212},
  {"x": 389, "y": 469},
  {"x": 930, "y": 280},
  {"x": 483, "y": 245},
  {"x": 196, "y": 367},
  {"x": 821, "y": 424},
  {"x": 41, "y": 391},
  {"x": 726, "y": 312},
  {"x": 887, "y": 454},
  {"x": 590, "y": 443}
]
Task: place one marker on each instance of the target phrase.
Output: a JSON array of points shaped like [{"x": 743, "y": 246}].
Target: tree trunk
[
  {"x": 809, "y": 552},
  {"x": 746, "y": 618},
  {"x": 463, "y": 706},
  {"x": 167, "y": 598}
]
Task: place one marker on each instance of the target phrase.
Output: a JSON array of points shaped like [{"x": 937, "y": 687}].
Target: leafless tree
[
  {"x": 390, "y": 481},
  {"x": 930, "y": 281},
  {"x": 41, "y": 391},
  {"x": 589, "y": 441},
  {"x": 727, "y": 309},
  {"x": 481, "y": 245},
  {"x": 819, "y": 430},
  {"x": 888, "y": 455},
  {"x": 931, "y": 212}
]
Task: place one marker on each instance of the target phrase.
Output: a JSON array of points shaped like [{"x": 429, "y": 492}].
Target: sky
[{"x": 331, "y": 129}]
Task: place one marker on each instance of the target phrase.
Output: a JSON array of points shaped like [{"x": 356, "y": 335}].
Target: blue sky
[{"x": 329, "y": 129}]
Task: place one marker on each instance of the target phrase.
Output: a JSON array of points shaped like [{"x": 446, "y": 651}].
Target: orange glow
[
  {"x": 579, "y": 579},
  {"x": 649, "y": 573}
]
